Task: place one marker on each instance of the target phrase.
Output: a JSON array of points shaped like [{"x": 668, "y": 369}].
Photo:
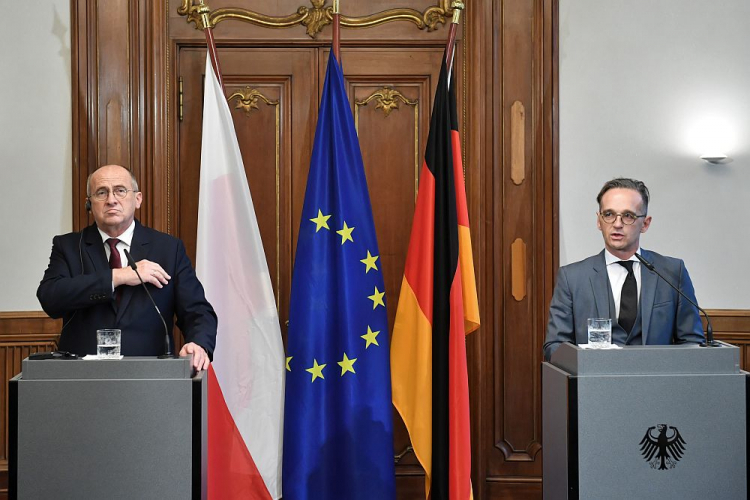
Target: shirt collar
[
  {"x": 610, "y": 259},
  {"x": 126, "y": 237}
]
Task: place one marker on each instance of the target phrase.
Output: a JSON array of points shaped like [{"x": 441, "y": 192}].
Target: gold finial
[
  {"x": 203, "y": 13},
  {"x": 336, "y": 7},
  {"x": 457, "y": 6}
]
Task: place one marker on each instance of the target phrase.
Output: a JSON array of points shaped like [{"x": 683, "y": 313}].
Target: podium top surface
[
  {"x": 100, "y": 369},
  {"x": 648, "y": 360}
]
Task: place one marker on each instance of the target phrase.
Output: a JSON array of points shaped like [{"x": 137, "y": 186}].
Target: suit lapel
[
  {"x": 139, "y": 251},
  {"x": 599, "y": 284},
  {"x": 92, "y": 252},
  {"x": 648, "y": 294}
]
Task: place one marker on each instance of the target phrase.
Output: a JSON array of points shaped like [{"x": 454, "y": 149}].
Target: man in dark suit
[
  {"x": 613, "y": 284},
  {"x": 89, "y": 284}
]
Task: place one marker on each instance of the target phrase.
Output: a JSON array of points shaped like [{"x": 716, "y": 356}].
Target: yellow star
[
  {"x": 288, "y": 359},
  {"x": 347, "y": 365},
  {"x": 346, "y": 233},
  {"x": 371, "y": 337},
  {"x": 369, "y": 262},
  {"x": 376, "y": 298},
  {"x": 321, "y": 221},
  {"x": 316, "y": 370}
]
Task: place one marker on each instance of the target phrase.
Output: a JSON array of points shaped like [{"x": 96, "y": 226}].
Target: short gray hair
[{"x": 133, "y": 181}]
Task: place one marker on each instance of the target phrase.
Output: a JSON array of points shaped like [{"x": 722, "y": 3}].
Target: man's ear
[{"x": 646, "y": 223}]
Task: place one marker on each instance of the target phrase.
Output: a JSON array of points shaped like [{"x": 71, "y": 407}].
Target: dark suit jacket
[
  {"x": 582, "y": 291},
  {"x": 77, "y": 286}
]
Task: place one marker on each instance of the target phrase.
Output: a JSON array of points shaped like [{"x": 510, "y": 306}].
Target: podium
[
  {"x": 645, "y": 422},
  {"x": 115, "y": 429}
]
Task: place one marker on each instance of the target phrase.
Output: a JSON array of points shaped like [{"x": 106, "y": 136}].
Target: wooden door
[{"x": 273, "y": 95}]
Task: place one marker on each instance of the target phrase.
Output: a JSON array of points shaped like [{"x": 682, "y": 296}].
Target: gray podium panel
[
  {"x": 115, "y": 429},
  {"x": 685, "y": 410}
]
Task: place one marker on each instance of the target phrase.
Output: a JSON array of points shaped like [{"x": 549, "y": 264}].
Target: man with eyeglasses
[
  {"x": 89, "y": 284},
  {"x": 613, "y": 284}
]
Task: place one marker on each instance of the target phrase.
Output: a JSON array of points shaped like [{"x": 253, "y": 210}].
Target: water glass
[
  {"x": 600, "y": 333},
  {"x": 108, "y": 343}
]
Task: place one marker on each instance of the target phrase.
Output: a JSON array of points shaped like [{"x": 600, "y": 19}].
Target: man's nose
[{"x": 111, "y": 198}]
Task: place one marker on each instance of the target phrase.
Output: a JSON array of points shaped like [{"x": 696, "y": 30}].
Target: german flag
[{"x": 437, "y": 307}]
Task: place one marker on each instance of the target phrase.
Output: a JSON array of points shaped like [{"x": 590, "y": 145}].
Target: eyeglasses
[
  {"x": 628, "y": 218},
  {"x": 120, "y": 193}
]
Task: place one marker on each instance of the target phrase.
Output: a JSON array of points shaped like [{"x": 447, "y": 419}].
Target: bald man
[{"x": 89, "y": 284}]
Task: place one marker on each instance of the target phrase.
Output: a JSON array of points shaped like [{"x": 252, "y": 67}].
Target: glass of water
[
  {"x": 108, "y": 343},
  {"x": 600, "y": 332}
]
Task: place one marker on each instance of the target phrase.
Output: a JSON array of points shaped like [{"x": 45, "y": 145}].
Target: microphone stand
[
  {"x": 709, "y": 342},
  {"x": 167, "y": 348}
]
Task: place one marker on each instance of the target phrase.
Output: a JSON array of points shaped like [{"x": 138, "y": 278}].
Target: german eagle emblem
[{"x": 662, "y": 451}]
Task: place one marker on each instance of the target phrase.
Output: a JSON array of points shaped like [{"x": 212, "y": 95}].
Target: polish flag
[{"x": 246, "y": 378}]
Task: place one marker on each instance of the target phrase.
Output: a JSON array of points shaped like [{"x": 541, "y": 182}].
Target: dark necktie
[
  {"x": 115, "y": 262},
  {"x": 628, "y": 298}
]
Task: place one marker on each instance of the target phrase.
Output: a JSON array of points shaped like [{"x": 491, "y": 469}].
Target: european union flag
[{"x": 338, "y": 423}]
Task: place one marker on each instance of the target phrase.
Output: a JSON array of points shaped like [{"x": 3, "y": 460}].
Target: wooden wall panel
[
  {"x": 733, "y": 327},
  {"x": 118, "y": 63},
  {"x": 523, "y": 169},
  {"x": 21, "y": 334}
]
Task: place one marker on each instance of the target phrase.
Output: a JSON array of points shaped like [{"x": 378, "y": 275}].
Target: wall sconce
[{"x": 716, "y": 159}]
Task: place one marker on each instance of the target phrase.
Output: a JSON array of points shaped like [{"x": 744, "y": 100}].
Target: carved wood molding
[
  {"x": 317, "y": 17},
  {"x": 387, "y": 100},
  {"x": 22, "y": 325},
  {"x": 518, "y": 269},
  {"x": 21, "y": 334},
  {"x": 517, "y": 142},
  {"x": 247, "y": 99}
]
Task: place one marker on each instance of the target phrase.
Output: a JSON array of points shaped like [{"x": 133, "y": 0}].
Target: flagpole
[
  {"x": 457, "y": 7},
  {"x": 336, "y": 44},
  {"x": 204, "y": 11}
]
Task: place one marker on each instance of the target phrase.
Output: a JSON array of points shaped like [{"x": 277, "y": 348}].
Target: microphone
[
  {"x": 710, "y": 342},
  {"x": 167, "y": 348}
]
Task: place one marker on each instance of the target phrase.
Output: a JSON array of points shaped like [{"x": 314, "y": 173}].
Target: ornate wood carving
[
  {"x": 387, "y": 100},
  {"x": 247, "y": 100},
  {"x": 317, "y": 17}
]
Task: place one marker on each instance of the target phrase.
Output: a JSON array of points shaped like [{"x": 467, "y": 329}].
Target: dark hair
[{"x": 623, "y": 182}]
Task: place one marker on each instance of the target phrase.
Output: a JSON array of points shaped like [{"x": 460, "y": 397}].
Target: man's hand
[
  {"x": 200, "y": 358},
  {"x": 150, "y": 272}
]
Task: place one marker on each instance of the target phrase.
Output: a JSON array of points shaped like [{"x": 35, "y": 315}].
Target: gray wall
[
  {"x": 35, "y": 143},
  {"x": 646, "y": 87}
]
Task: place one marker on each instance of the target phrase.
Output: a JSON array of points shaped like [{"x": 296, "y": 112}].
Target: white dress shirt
[
  {"x": 125, "y": 238},
  {"x": 617, "y": 275}
]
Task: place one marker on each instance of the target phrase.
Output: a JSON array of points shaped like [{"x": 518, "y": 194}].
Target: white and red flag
[{"x": 246, "y": 378}]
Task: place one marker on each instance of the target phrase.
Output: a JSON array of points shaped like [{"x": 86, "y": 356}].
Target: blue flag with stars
[{"x": 338, "y": 420}]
